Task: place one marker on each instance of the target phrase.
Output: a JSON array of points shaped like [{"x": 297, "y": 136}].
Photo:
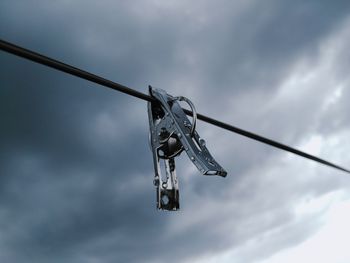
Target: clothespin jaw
[{"x": 171, "y": 132}]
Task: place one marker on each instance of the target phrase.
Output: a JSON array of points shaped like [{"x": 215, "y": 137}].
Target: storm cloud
[{"x": 76, "y": 171}]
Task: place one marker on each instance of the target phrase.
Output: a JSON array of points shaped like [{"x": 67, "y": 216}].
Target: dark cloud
[{"x": 75, "y": 166}]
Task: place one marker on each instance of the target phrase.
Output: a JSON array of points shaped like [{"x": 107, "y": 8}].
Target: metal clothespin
[{"x": 171, "y": 132}]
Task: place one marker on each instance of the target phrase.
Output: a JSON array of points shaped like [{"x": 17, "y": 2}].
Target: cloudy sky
[{"x": 76, "y": 171}]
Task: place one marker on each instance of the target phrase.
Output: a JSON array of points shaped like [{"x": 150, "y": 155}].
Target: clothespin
[{"x": 171, "y": 133}]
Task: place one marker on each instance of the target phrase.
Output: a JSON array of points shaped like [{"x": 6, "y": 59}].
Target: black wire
[
  {"x": 265, "y": 140},
  {"x": 41, "y": 59}
]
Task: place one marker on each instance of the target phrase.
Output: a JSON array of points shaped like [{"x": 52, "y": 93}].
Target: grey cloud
[{"x": 76, "y": 171}]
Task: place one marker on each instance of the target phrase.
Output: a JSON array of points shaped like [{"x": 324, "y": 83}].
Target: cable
[
  {"x": 41, "y": 59},
  {"x": 265, "y": 140}
]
